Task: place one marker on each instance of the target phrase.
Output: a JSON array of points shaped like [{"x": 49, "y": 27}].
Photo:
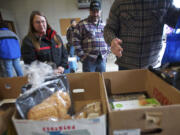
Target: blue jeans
[
  {"x": 10, "y": 63},
  {"x": 98, "y": 66},
  {"x": 2, "y": 69},
  {"x": 71, "y": 51}
]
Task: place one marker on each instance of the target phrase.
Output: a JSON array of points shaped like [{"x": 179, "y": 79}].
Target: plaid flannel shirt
[
  {"x": 88, "y": 40},
  {"x": 139, "y": 24}
]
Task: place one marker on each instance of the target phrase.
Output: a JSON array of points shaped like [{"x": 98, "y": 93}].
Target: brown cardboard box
[
  {"x": 162, "y": 120},
  {"x": 6, "y": 112},
  {"x": 10, "y": 89},
  {"x": 93, "y": 87}
]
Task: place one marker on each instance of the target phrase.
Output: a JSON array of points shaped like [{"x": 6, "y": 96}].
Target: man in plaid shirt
[
  {"x": 89, "y": 41},
  {"x": 134, "y": 30}
]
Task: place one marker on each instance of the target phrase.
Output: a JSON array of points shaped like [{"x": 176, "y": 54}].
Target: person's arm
[
  {"x": 77, "y": 41},
  {"x": 111, "y": 30},
  {"x": 68, "y": 35},
  {"x": 64, "y": 59},
  {"x": 28, "y": 51},
  {"x": 172, "y": 16},
  {"x": 64, "y": 56},
  {"x": 63, "y": 64}
]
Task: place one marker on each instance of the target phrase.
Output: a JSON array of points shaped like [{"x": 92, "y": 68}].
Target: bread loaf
[
  {"x": 91, "y": 110},
  {"x": 54, "y": 107}
]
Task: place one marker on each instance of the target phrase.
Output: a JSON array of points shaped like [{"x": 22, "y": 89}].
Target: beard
[{"x": 95, "y": 18}]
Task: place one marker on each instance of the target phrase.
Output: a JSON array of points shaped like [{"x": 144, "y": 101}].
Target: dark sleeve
[
  {"x": 68, "y": 34},
  {"x": 27, "y": 51},
  {"x": 64, "y": 56},
  {"x": 112, "y": 27},
  {"x": 64, "y": 60},
  {"x": 172, "y": 16},
  {"x": 77, "y": 39}
]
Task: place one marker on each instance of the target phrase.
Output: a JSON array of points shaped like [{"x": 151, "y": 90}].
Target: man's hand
[{"x": 116, "y": 47}]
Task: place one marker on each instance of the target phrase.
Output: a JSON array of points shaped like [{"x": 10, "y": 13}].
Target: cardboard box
[
  {"x": 10, "y": 89},
  {"x": 6, "y": 113},
  {"x": 93, "y": 87},
  {"x": 162, "y": 120}
]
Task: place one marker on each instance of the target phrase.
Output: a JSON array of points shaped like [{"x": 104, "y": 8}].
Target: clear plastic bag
[
  {"x": 54, "y": 86},
  {"x": 55, "y": 108},
  {"x": 91, "y": 110}
]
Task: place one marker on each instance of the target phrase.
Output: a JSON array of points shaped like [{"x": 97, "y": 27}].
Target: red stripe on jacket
[{"x": 46, "y": 48}]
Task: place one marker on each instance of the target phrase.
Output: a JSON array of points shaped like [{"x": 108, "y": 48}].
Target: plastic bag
[
  {"x": 48, "y": 78},
  {"x": 172, "y": 51},
  {"x": 55, "y": 108},
  {"x": 36, "y": 72},
  {"x": 91, "y": 110},
  {"x": 35, "y": 96},
  {"x": 169, "y": 74}
]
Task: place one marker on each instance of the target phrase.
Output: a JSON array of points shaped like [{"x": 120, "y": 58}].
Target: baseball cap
[{"x": 95, "y": 5}]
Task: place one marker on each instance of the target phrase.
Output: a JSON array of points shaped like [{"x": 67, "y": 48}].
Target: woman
[
  {"x": 9, "y": 52},
  {"x": 42, "y": 43}
]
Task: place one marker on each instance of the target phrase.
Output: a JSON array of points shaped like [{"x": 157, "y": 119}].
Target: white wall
[
  {"x": 19, "y": 11},
  {"x": 53, "y": 9},
  {"x": 106, "y": 5},
  {"x": 8, "y": 15}
]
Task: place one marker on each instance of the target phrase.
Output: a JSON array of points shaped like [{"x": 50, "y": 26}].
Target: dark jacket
[
  {"x": 69, "y": 35},
  {"x": 48, "y": 52},
  {"x": 139, "y": 24},
  {"x": 9, "y": 44}
]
